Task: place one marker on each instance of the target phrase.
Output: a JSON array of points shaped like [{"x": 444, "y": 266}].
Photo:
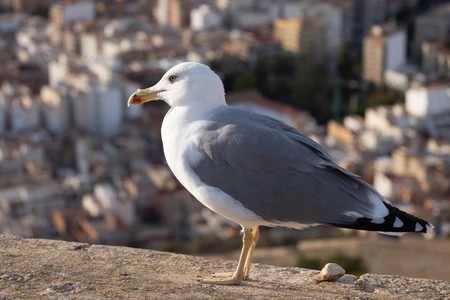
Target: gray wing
[{"x": 278, "y": 173}]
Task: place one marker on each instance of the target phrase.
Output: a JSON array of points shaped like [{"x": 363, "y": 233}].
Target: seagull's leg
[
  {"x": 255, "y": 238},
  {"x": 238, "y": 276}
]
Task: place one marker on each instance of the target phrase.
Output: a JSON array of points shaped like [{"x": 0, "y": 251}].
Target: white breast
[{"x": 179, "y": 135}]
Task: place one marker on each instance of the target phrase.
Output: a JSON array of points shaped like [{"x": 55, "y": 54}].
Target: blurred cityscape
[{"x": 368, "y": 79}]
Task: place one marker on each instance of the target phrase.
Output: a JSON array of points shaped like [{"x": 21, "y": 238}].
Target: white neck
[{"x": 199, "y": 106}]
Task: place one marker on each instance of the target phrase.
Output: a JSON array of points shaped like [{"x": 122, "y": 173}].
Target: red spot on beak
[{"x": 137, "y": 100}]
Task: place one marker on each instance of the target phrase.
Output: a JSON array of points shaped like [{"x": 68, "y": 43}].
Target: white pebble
[{"x": 330, "y": 272}]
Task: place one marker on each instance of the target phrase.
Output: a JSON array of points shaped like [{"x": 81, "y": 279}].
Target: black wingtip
[{"x": 396, "y": 221}]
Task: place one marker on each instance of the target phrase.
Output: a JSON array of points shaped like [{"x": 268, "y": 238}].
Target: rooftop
[{"x": 254, "y": 96}]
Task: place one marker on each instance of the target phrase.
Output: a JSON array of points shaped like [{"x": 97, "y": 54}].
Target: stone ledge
[{"x": 31, "y": 269}]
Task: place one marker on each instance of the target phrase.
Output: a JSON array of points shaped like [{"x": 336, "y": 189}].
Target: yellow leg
[
  {"x": 248, "y": 261},
  {"x": 238, "y": 276}
]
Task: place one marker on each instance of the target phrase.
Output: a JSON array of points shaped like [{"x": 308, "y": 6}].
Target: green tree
[
  {"x": 348, "y": 65},
  {"x": 41, "y": 10},
  {"x": 345, "y": 63},
  {"x": 244, "y": 81},
  {"x": 352, "y": 264},
  {"x": 297, "y": 80},
  {"x": 275, "y": 76},
  {"x": 313, "y": 88},
  {"x": 382, "y": 96},
  {"x": 304, "y": 261}
]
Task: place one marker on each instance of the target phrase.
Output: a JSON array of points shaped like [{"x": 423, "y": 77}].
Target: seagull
[{"x": 258, "y": 171}]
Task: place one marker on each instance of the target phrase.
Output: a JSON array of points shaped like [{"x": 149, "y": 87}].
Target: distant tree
[
  {"x": 279, "y": 87},
  {"x": 275, "y": 76},
  {"x": 352, "y": 264},
  {"x": 309, "y": 263},
  {"x": 424, "y": 4},
  {"x": 244, "y": 81},
  {"x": 313, "y": 88},
  {"x": 284, "y": 64},
  {"x": 174, "y": 248},
  {"x": 41, "y": 10},
  {"x": 349, "y": 66},
  {"x": 382, "y": 96},
  {"x": 344, "y": 63},
  {"x": 297, "y": 80},
  {"x": 360, "y": 110}
]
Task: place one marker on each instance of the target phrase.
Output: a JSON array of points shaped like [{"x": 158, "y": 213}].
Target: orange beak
[{"x": 142, "y": 96}]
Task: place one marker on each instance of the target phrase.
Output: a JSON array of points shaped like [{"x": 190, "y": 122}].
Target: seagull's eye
[{"x": 172, "y": 78}]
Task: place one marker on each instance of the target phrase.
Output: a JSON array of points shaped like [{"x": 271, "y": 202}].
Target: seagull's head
[{"x": 185, "y": 84}]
